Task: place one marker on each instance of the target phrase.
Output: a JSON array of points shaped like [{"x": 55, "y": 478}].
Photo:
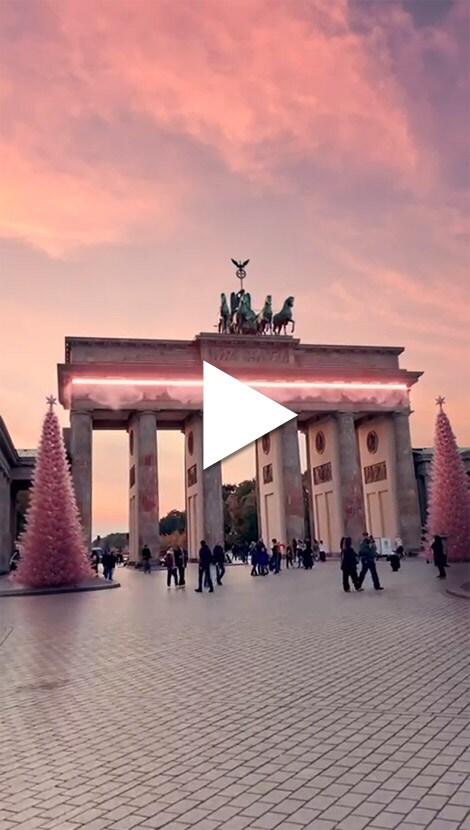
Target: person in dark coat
[
  {"x": 180, "y": 565},
  {"x": 276, "y": 556},
  {"x": 262, "y": 558},
  {"x": 109, "y": 563},
  {"x": 218, "y": 558},
  {"x": 440, "y": 562},
  {"x": 308, "y": 556},
  {"x": 146, "y": 557},
  {"x": 349, "y": 565},
  {"x": 254, "y": 560},
  {"x": 289, "y": 557},
  {"x": 205, "y": 561},
  {"x": 171, "y": 570},
  {"x": 394, "y": 560},
  {"x": 367, "y": 556}
]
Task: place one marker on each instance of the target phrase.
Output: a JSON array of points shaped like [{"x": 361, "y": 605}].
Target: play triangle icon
[{"x": 235, "y": 415}]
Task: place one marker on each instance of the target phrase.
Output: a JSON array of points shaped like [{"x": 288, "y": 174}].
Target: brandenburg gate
[{"x": 352, "y": 403}]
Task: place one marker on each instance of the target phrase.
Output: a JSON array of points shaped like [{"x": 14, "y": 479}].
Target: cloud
[{"x": 258, "y": 83}]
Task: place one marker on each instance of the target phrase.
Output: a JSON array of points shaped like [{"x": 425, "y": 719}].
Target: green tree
[
  {"x": 173, "y": 522},
  {"x": 240, "y": 511}
]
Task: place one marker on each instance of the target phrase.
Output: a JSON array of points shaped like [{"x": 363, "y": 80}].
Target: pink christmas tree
[
  {"x": 449, "y": 503},
  {"x": 53, "y": 552}
]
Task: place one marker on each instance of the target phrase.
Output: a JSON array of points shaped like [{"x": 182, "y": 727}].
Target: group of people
[
  {"x": 350, "y": 560},
  {"x": 206, "y": 559},
  {"x": 108, "y": 559},
  {"x": 300, "y": 553}
]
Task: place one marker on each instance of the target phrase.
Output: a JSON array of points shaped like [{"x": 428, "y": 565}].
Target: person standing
[
  {"x": 180, "y": 565},
  {"x": 171, "y": 572},
  {"x": 308, "y": 556},
  {"x": 367, "y": 556},
  {"x": 146, "y": 557},
  {"x": 276, "y": 556},
  {"x": 440, "y": 561},
  {"x": 205, "y": 561},
  {"x": 262, "y": 558},
  {"x": 254, "y": 560},
  {"x": 349, "y": 565},
  {"x": 95, "y": 561},
  {"x": 218, "y": 558},
  {"x": 289, "y": 557}
]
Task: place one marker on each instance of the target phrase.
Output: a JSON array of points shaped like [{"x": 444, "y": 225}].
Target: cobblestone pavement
[{"x": 273, "y": 703}]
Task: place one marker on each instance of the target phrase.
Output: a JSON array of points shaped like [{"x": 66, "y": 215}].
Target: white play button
[{"x": 235, "y": 415}]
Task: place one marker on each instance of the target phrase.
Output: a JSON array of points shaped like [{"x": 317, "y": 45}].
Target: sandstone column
[
  {"x": 147, "y": 528},
  {"x": 6, "y": 547},
  {"x": 258, "y": 492},
  {"x": 292, "y": 478},
  {"x": 311, "y": 499},
  {"x": 409, "y": 520},
  {"x": 213, "y": 505},
  {"x": 351, "y": 491},
  {"x": 81, "y": 441},
  {"x": 204, "y": 503}
]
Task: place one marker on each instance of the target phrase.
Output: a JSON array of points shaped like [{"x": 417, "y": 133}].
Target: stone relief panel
[{"x": 247, "y": 355}]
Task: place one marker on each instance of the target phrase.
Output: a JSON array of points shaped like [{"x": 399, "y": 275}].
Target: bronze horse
[{"x": 284, "y": 317}]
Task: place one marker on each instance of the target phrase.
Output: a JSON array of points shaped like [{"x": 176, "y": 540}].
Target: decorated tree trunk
[
  {"x": 449, "y": 503},
  {"x": 53, "y": 552}
]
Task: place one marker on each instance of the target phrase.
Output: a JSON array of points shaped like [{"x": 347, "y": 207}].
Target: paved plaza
[{"x": 273, "y": 703}]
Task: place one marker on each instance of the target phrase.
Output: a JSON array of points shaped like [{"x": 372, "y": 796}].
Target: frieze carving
[
  {"x": 375, "y": 472},
  {"x": 247, "y": 355},
  {"x": 268, "y": 474},
  {"x": 192, "y": 475},
  {"x": 323, "y": 473}
]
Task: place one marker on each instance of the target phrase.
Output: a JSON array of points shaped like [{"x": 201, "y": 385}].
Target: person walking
[
  {"x": 180, "y": 565},
  {"x": 367, "y": 556},
  {"x": 109, "y": 563},
  {"x": 218, "y": 558},
  {"x": 146, "y": 556},
  {"x": 171, "y": 572},
  {"x": 440, "y": 561},
  {"x": 205, "y": 561},
  {"x": 349, "y": 565}
]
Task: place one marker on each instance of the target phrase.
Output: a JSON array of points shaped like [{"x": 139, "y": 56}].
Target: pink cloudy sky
[{"x": 145, "y": 142}]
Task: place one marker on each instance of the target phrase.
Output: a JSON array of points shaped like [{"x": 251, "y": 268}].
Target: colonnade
[{"x": 360, "y": 470}]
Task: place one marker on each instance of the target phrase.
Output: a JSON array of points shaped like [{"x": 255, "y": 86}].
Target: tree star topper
[
  {"x": 439, "y": 401},
  {"x": 51, "y": 400}
]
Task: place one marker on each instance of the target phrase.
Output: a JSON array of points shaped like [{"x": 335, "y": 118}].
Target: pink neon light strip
[{"x": 259, "y": 384}]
